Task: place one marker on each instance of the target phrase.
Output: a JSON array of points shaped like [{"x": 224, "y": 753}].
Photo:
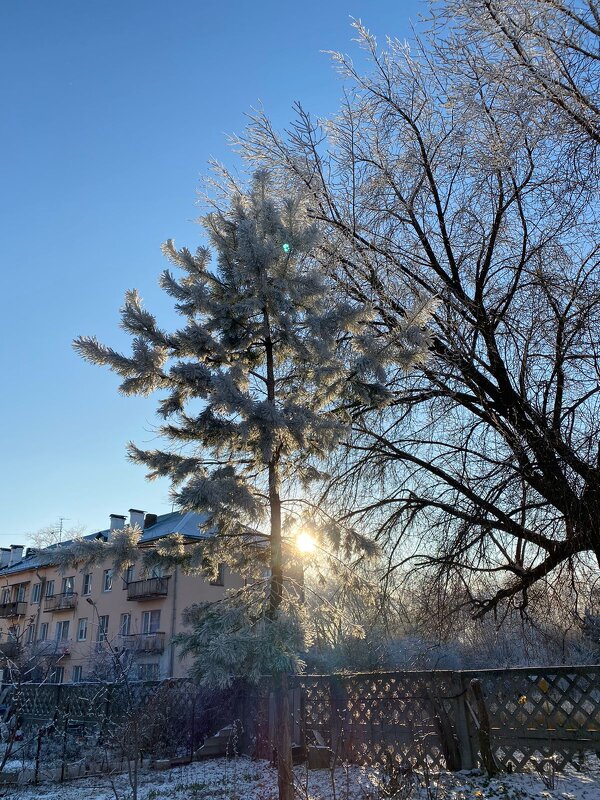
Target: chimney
[
  {"x": 4, "y": 556},
  {"x": 30, "y": 551},
  {"x": 117, "y": 522},
  {"x": 136, "y": 517},
  {"x": 150, "y": 520},
  {"x": 16, "y": 554}
]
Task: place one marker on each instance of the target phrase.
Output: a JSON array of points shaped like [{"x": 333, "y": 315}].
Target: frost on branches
[
  {"x": 254, "y": 389},
  {"x": 253, "y": 386}
]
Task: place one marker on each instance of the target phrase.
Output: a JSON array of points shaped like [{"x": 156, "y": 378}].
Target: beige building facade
[{"x": 93, "y": 624}]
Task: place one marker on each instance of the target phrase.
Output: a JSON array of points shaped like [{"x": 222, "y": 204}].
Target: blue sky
[{"x": 111, "y": 111}]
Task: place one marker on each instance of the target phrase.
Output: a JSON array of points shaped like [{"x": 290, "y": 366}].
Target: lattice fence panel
[
  {"x": 103, "y": 721},
  {"x": 85, "y": 703},
  {"x": 405, "y": 717},
  {"x": 37, "y": 702},
  {"x": 373, "y": 718},
  {"x": 417, "y": 717},
  {"x": 539, "y": 713}
]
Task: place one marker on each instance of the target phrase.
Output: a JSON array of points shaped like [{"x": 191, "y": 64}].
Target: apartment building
[{"x": 91, "y": 624}]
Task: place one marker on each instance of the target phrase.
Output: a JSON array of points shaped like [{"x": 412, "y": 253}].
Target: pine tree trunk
[{"x": 283, "y": 739}]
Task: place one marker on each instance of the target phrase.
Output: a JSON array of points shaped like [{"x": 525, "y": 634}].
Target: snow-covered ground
[{"x": 242, "y": 779}]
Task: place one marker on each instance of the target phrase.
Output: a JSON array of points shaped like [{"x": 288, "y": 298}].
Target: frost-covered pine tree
[{"x": 252, "y": 385}]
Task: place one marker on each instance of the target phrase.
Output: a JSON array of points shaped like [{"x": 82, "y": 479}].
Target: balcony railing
[
  {"x": 59, "y": 648},
  {"x": 145, "y": 642},
  {"x": 16, "y": 609},
  {"x": 60, "y": 602},
  {"x": 9, "y": 649},
  {"x": 148, "y": 589}
]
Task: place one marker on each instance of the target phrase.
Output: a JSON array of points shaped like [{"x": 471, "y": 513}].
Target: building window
[
  {"x": 82, "y": 626},
  {"x": 14, "y": 632},
  {"x": 102, "y": 628},
  {"x": 30, "y": 634},
  {"x": 157, "y": 572},
  {"x": 220, "y": 579},
  {"x": 150, "y": 621},
  {"x": 62, "y": 632},
  {"x": 148, "y": 672},
  {"x": 107, "y": 580},
  {"x": 58, "y": 675},
  {"x": 21, "y": 592},
  {"x": 36, "y": 593},
  {"x": 125, "y": 625},
  {"x": 68, "y": 585},
  {"x": 77, "y": 674},
  {"x": 128, "y": 576},
  {"x": 43, "y": 632},
  {"x": 5, "y": 596},
  {"x": 49, "y": 588},
  {"x": 87, "y": 583}
]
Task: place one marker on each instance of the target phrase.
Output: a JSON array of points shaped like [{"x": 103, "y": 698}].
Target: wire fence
[{"x": 57, "y": 731}]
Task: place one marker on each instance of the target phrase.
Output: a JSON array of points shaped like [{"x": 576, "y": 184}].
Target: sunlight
[{"x": 305, "y": 542}]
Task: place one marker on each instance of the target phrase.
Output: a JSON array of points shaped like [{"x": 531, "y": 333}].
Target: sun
[{"x": 305, "y": 542}]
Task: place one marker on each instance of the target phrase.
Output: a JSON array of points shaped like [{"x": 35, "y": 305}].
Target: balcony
[
  {"x": 9, "y": 649},
  {"x": 148, "y": 589},
  {"x": 144, "y": 642},
  {"x": 16, "y": 609},
  {"x": 56, "y": 648},
  {"x": 60, "y": 602}
]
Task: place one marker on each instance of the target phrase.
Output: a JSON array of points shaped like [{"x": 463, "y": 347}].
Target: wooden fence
[
  {"x": 412, "y": 717},
  {"x": 416, "y": 717}
]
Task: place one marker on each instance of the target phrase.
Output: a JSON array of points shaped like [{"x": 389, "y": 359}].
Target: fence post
[
  {"x": 295, "y": 694},
  {"x": 65, "y": 734},
  {"x": 461, "y": 722},
  {"x": 107, "y": 713},
  {"x": 443, "y": 725},
  {"x": 38, "y": 750},
  {"x": 272, "y": 712},
  {"x": 59, "y": 693},
  {"x": 303, "y": 738},
  {"x": 247, "y": 712},
  {"x": 487, "y": 755},
  {"x": 338, "y": 700}
]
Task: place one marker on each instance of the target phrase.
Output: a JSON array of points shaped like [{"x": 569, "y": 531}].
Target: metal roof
[{"x": 186, "y": 524}]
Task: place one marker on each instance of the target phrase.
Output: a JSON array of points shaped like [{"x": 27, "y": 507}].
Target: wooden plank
[
  {"x": 537, "y": 736},
  {"x": 467, "y": 754}
]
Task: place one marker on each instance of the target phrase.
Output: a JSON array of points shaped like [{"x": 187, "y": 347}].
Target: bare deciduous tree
[
  {"x": 544, "y": 50},
  {"x": 436, "y": 179},
  {"x": 54, "y": 534}
]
